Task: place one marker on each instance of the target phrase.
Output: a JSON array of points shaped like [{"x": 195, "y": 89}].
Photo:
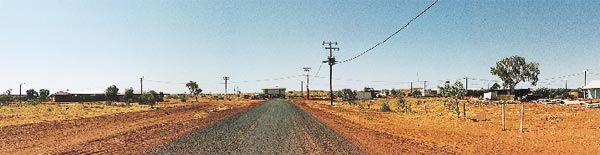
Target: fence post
[
  {"x": 465, "y": 109},
  {"x": 522, "y": 117},
  {"x": 503, "y": 116}
]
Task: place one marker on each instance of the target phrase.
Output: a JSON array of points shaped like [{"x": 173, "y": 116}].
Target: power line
[
  {"x": 392, "y": 35},
  {"x": 319, "y": 70}
]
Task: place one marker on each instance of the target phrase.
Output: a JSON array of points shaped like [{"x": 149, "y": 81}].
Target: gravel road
[{"x": 275, "y": 127}]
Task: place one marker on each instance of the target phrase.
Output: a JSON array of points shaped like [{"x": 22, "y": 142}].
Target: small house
[{"x": 593, "y": 90}]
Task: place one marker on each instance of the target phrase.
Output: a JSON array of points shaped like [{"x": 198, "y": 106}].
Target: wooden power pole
[
  {"x": 307, "y": 70},
  {"x": 331, "y": 61}
]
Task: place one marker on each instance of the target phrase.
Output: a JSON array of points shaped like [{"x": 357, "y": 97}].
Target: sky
[{"x": 86, "y": 45}]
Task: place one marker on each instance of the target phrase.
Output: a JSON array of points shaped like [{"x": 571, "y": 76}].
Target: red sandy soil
[
  {"x": 549, "y": 129},
  {"x": 123, "y": 133}
]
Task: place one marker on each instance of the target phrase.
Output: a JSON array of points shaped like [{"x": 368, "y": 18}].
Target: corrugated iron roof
[{"x": 592, "y": 85}]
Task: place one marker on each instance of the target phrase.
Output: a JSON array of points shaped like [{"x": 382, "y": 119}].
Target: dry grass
[
  {"x": 25, "y": 114},
  {"x": 16, "y": 114},
  {"x": 549, "y": 129}
]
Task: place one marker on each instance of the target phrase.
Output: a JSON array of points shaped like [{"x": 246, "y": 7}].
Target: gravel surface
[{"x": 275, "y": 127}]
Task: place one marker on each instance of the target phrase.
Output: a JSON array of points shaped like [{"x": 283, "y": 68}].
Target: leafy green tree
[
  {"x": 6, "y": 97},
  {"x": 453, "y": 93},
  {"x": 542, "y": 92},
  {"x": 148, "y": 98},
  {"x": 495, "y": 86},
  {"x": 31, "y": 94},
  {"x": 194, "y": 89},
  {"x": 128, "y": 96},
  {"x": 393, "y": 92},
  {"x": 514, "y": 69},
  {"x": 348, "y": 94},
  {"x": 112, "y": 93},
  {"x": 416, "y": 93},
  {"x": 44, "y": 93}
]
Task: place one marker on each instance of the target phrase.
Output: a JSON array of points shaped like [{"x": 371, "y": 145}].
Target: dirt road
[{"x": 274, "y": 127}]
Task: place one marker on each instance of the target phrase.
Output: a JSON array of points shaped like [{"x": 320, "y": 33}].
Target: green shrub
[
  {"x": 148, "y": 98},
  {"x": 385, "y": 107},
  {"x": 403, "y": 106}
]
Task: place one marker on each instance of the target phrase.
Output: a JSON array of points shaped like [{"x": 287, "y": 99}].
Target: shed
[
  {"x": 593, "y": 89},
  {"x": 274, "y": 92},
  {"x": 363, "y": 95}
]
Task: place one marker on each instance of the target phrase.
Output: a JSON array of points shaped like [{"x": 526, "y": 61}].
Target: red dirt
[
  {"x": 130, "y": 133},
  {"x": 372, "y": 141}
]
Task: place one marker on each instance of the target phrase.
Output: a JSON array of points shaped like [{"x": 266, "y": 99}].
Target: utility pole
[
  {"x": 302, "y": 88},
  {"x": 584, "y": 81},
  {"x": 20, "y": 98},
  {"x": 307, "y": 70},
  {"x": 424, "y": 86},
  {"x": 225, "y": 78},
  {"x": 331, "y": 61},
  {"x": 466, "y": 86},
  {"x": 566, "y": 84},
  {"x": 142, "y": 85},
  {"x": 411, "y": 88}
]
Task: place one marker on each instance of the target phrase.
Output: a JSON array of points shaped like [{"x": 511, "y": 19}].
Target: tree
[
  {"x": 31, "y": 94},
  {"x": 44, "y": 93},
  {"x": 148, "y": 98},
  {"x": 514, "y": 69},
  {"x": 393, "y": 93},
  {"x": 495, "y": 86},
  {"x": 112, "y": 93},
  {"x": 128, "y": 96},
  {"x": 453, "y": 93},
  {"x": 194, "y": 90},
  {"x": 348, "y": 94},
  {"x": 6, "y": 97}
]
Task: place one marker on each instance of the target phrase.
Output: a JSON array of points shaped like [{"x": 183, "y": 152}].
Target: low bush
[
  {"x": 385, "y": 107},
  {"x": 404, "y": 106}
]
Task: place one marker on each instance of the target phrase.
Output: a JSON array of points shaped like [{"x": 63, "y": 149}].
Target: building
[
  {"x": 274, "y": 92},
  {"x": 593, "y": 90},
  {"x": 518, "y": 94},
  {"x": 62, "y": 96},
  {"x": 363, "y": 95}
]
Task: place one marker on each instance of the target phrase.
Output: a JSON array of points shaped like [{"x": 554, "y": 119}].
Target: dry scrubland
[
  {"x": 107, "y": 129},
  {"x": 549, "y": 129}
]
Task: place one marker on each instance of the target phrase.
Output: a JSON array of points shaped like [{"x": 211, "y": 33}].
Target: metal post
[
  {"x": 466, "y": 86},
  {"x": 20, "y": 98},
  {"x": 225, "y": 78},
  {"x": 141, "y": 85}
]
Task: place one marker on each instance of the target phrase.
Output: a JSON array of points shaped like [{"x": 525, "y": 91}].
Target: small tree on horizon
[
  {"x": 495, "y": 86},
  {"x": 514, "y": 69},
  {"x": 194, "y": 89},
  {"x": 44, "y": 93},
  {"x": 31, "y": 94},
  {"x": 112, "y": 93},
  {"x": 128, "y": 96}
]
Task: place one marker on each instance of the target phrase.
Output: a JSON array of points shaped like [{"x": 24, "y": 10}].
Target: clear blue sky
[{"x": 86, "y": 45}]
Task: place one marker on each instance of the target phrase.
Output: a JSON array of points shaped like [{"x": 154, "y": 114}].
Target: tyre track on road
[{"x": 274, "y": 127}]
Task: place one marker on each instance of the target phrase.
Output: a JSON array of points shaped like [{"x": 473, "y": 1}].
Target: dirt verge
[
  {"x": 131, "y": 133},
  {"x": 372, "y": 141}
]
